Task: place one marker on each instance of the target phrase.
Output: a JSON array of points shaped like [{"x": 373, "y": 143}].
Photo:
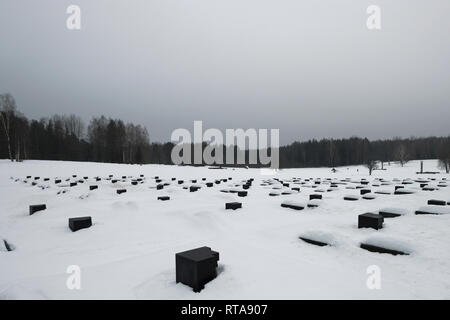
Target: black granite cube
[
  {"x": 73, "y": 184},
  {"x": 196, "y": 267},
  {"x": 159, "y": 187},
  {"x": 246, "y": 186},
  {"x": 36, "y": 208},
  {"x": 233, "y": 205},
  {"x": 134, "y": 183},
  {"x": 120, "y": 191},
  {"x": 209, "y": 184},
  {"x": 315, "y": 196},
  {"x": 79, "y": 223},
  {"x": 57, "y": 181},
  {"x": 180, "y": 181},
  {"x": 364, "y": 191},
  {"x": 370, "y": 220},
  {"x": 93, "y": 187},
  {"x": 164, "y": 198},
  {"x": 242, "y": 193}
]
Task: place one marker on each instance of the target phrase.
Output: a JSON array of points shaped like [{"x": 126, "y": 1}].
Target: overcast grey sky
[{"x": 308, "y": 67}]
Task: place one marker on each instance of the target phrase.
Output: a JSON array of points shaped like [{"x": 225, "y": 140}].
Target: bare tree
[
  {"x": 371, "y": 165},
  {"x": 401, "y": 154},
  {"x": 7, "y": 111},
  {"x": 444, "y": 155}
]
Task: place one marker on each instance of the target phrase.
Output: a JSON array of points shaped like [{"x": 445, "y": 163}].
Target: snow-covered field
[{"x": 129, "y": 252}]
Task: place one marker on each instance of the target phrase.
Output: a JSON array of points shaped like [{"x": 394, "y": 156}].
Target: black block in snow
[
  {"x": 37, "y": 178},
  {"x": 114, "y": 180},
  {"x": 28, "y": 177},
  {"x": 315, "y": 196},
  {"x": 370, "y": 220},
  {"x": 217, "y": 182},
  {"x": 173, "y": 179},
  {"x": 159, "y": 187},
  {"x": 119, "y": 191},
  {"x": 437, "y": 202},
  {"x": 79, "y": 223},
  {"x": 242, "y": 193},
  {"x": 295, "y": 189},
  {"x": 73, "y": 184},
  {"x": 364, "y": 191},
  {"x": 36, "y": 208},
  {"x": 399, "y": 187},
  {"x": 57, "y": 181},
  {"x": 378, "y": 249},
  {"x": 193, "y": 188},
  {"x": 158, "y": 180},
  {"x": 180, "y": 181},
  {"x": 194, "y": 181},
  {"x": 93, "y": 187},
  {"x": 164, "y": 198},
  {"x": 46, "y": 179},
  {"x": 134, "y": 183},
  {"x": 196, "y": 267},
  {"x": 7, "y": 245},
  {"x": 209, "y": 184},
  {"x": 314, "y": 242},
  {"x": 246, "y": 186},
  {"x": 233, "y": 205}
]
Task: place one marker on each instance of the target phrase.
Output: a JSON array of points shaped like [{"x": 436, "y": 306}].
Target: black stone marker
[
  {"x": 196, "y": 267},
  {"x": 98, "y": 179},
  {"x": 194, "y": 181},
  {"x": 242, "y": 193},
  {"x": 203, "y": 179},
  {"x": 119, "y": 191},
  {"x": 85, "y": 178},
  {"x": 217, "y": 181},
  {"x": 34, "y": 183},
  {"x": 315, "y": 196},
  {"x": 7, "y": 245},
  {"x": 378, "y": 249},
  {"x": 37, "y": 178},
  {"x": 36, "y": 208},
  {"x": 370, "y": 220},
  {"x": 437, "y": 202},
  {"x": 134, "y": 183},
  {"x": 124, "y": 177},
  {"x": 159, "y": 187},
  {"x": 295, "y": 189},
  {"x": 246, "y": 187},
  {"x": 74, "y": 176},
  {"x": 164, "y": 198},
  {"x": 286, "y": 185},
  {"x": 209, "y": 184},
  {"x": 180, "y": 181},
  {"x": 364, "y": 191},
  {"x": 57, "y": 181},
  {"x": 79, "y": 223},
  {"x": 158, "y": 180},
  {"x": 193, "y": 188},
  {"x": 399, "y": 187},
  {"x": 387, "y": 214},
  {"x": 233, "y": 205},
  {"x": 114, "y": 180},
  {"x": 292, "y": 206},
  {"x": 28, "y": 177},
  {"x": 173, "y": 179},
  {"x": 314, "y": 242},
  {"x": 73, "y": 184},
  {"x": 46, "y": 179},
  {"x": 93, "y": 187}
]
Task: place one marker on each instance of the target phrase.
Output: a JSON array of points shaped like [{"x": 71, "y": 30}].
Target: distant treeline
[{"x": 63, "y": 137}]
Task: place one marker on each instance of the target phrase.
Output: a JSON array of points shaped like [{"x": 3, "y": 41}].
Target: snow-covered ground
[{"x": 129, "y": 252}]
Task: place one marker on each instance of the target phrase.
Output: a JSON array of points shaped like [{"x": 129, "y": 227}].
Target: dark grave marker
[
  {"x": 233, "y": 205},
  {"x": 134, "y": 183},
  {"x": 315, "y": 196},
  {"x": 120, "y": 191},
  {"x": 164, "y": 198},
  {"x": 378, "y": 249},
  {"x": 314, "y": 242},
  {"x": 194, "y": 188},
  {"x": 196, "y": 267},
  {"x": 159, "y": 187},
  {"x": 93, "y": 187},
  {"x": 242, "y": 193},
  {"x": 57, "y": 181},
  {"x": 370, "y": 220},
  {"x": 209, "y": 184},
  {"x": 437, "y": 202},
  {"x": 78, "y": 223},
  {"x": 364, "y": 191},
  {"x": 180, "y": 181},
  {"x": 37, "y": 207},
  {"x": 73, "y": 184}
]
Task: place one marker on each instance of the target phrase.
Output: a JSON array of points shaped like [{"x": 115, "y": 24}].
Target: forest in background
[{"x": 66, "y": 137}]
